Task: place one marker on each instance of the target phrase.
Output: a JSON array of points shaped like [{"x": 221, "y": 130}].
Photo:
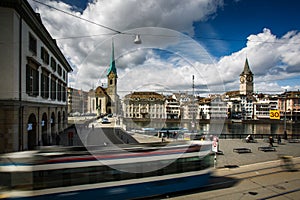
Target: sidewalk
[
  {"x": 265, "y": 180},
  {"x": 255, "y": 175},
  {"x": 231, "y": 158}
]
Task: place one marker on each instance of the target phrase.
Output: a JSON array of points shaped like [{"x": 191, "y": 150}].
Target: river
[{"x": 226, "y": 128}]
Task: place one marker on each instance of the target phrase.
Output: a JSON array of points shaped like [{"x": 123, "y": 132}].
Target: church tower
[
  {"x": 246, "y": 80},
  {"x": 112, "y": 84}
]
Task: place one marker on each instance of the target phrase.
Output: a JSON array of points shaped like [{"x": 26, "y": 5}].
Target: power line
[
  {"x": 92, "y": 22},
  {"x": 157, "y": 35}
]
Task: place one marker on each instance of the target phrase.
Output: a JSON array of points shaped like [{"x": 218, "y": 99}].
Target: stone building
[
  {"x": 144, "y": 105},
  {"x": 289, "y": 105},
  {"x": 33, "y": 80},
  {"x": 77, "y": 101}
]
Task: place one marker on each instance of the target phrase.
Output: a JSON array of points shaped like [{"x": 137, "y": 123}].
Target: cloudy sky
[{"x": 209, "y": 39}]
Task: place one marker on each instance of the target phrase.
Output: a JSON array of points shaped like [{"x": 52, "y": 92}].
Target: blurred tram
[{"x": 123, "y": 172}]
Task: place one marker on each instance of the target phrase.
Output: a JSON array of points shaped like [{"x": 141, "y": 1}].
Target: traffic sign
[
  {"x": 215, "y": 144},
  {"x": 274, "y": 114}
]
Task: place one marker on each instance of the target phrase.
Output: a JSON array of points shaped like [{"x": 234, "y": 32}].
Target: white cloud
[
  {"x": 119, "y": 16},
  {"x": 270, "y": 58}
]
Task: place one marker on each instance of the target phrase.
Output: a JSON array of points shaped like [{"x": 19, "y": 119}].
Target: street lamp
[
  {"x": 284, "y": 126},
  {"x": 137, "y": 39}
]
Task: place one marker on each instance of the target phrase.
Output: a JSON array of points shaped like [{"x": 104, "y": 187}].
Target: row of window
[
  {"x": 89, "y": 175},
  {"x": 46, "y": 57},
  {"x": 55, "y": 90},
  {"x": 136, "y": 115}
]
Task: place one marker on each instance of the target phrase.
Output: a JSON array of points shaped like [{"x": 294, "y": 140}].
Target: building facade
[
  {"x": 144, "y": 105},
  {"x": 33, "y": 83},
  {"x": 77, "y": 101},
  {"x": 289, "y": 105}
]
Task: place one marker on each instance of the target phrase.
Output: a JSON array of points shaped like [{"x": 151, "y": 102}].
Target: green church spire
[{"x": 112, "y": 67}]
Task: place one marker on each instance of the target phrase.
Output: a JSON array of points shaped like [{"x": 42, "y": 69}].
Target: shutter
[
  {"x": 36, "y": 83},
  {"x": 43, "y": 85},
  {"x": 27, "y": 79},
  {"x": 47, "y": 87}
]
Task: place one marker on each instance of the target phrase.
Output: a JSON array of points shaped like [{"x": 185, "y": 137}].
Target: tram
[{"x": 122, "y": 172}]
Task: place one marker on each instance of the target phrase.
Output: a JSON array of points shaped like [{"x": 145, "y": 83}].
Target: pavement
[
  {"x": 240, "y": 176},
  {"x": 255, "y": 175}
]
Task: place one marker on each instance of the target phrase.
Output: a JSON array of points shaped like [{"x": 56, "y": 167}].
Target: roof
[
  {"x": 232, "y": 93},
  {"x": 112, "y": 66},
  {"x": 246, "y": 70},
  {"x": 145, "y": 95},
  {"x": 34, "y": 21}
]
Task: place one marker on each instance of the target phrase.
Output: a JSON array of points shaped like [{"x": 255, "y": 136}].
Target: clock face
[
  {"x": 242, "y": 79},
  {"x": 249, "y": 78}
]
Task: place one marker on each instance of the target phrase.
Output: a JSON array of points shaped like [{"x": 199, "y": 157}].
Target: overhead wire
[
  {"x": 87, "y": 20},
  {"x": 144, "y": 34}
]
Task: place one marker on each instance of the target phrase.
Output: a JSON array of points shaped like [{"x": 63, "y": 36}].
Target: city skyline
[{"x": 226, "y": 32}]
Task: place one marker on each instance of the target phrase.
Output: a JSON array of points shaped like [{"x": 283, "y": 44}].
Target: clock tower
[{"x": 246, "y": 80}]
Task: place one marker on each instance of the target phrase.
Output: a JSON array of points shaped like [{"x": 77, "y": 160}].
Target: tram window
[
  {"x": 5, "y": 179},
  {"x": 47, "y": 179},
  {"x": 21, "y": 180},
  {"x": 96, "y": 174}
]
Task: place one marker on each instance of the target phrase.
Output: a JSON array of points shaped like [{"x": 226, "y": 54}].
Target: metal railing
[{"x": 257, "y": 136}]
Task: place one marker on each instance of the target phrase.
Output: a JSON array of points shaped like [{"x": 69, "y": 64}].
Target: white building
[
  {"x": 263, "y": 105},
  {"x": 172, "y": 108},
  {"x": 144, "y": 105},
  {"x": 33, "y": 80}
]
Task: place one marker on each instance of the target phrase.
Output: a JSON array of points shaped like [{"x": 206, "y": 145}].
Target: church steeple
[
  {"x": 112, "y": 84},
  {"x": 247, "y": 70},
  {"x": 246, "y": 80},
  {"x": 112, "y": 66}
]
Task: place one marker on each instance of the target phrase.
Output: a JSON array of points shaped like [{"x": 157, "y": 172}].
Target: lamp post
[
  {"x": 193, "y": 107},
  {"x": 284, "y": 125}
]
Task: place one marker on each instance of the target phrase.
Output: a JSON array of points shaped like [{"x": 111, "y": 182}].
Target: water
[{"x": 227, "y": 128}]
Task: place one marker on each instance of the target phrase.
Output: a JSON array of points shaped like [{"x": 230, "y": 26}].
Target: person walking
[
  {"x": 271, "y": 141},
  {"x": 279, "y": 140}
]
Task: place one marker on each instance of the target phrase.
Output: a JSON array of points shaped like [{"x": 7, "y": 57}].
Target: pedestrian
[
  {"x": 271, "y": 141},
  {"x": 57, "y": 139},
  {"x": 285, "y": 135},
  {"x": 279, "y": 140},
  {"x": 249, "y": 138}
]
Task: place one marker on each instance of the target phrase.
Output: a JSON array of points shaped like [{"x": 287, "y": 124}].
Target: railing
[{"x": 257, "y": 136}]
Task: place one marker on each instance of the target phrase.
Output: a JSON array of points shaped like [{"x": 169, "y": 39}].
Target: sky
[{"x": 207, "y": 39}]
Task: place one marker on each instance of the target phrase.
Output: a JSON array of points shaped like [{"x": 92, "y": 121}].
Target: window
[
  {"x": 45, "y": 86},
  {"x": 45, "y": 55},
  {"x": 59, "y": 90},
  {"x": 32, "y": 81},
  {"x": 53, "y": 64},
  {"x": 59, "y": 70},
  {"x": 53, "y": 89},
  {"x": 64, "y": 75},
  {"x": 64, "y": 96},
  {"x": 32, "y": 44}
]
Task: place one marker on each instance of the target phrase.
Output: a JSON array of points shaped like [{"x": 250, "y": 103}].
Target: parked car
[{"x": 105, "y": 120}]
